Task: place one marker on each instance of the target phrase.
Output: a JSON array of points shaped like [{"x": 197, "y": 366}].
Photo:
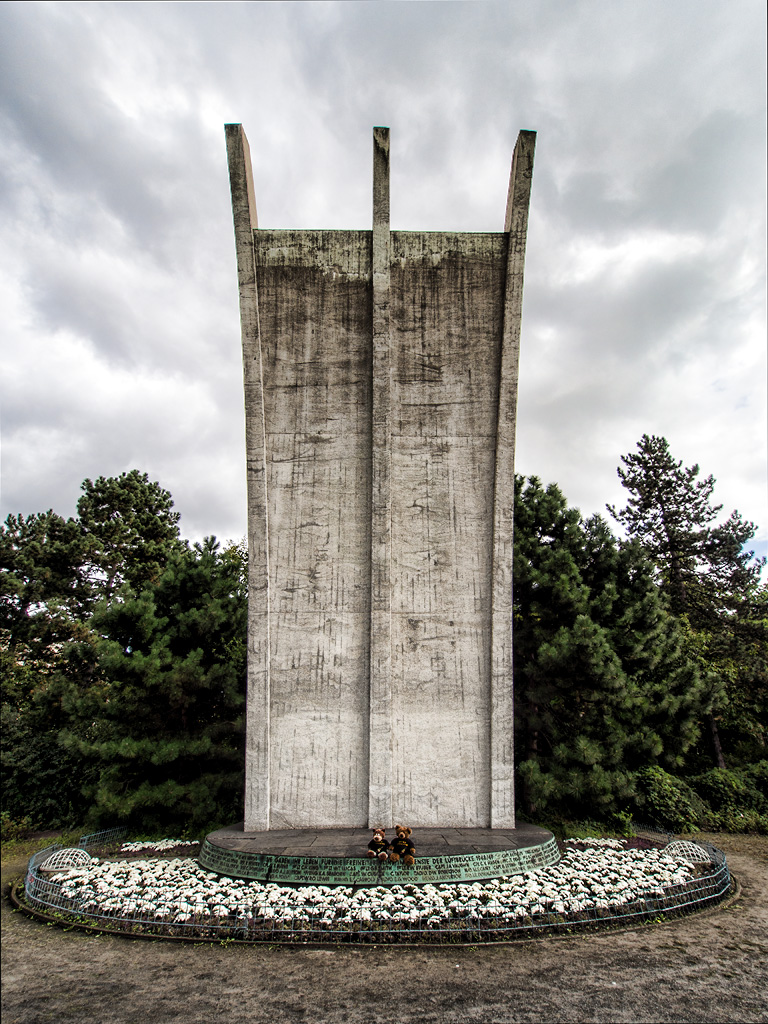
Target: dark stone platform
[{"x": 337, "y": 856}]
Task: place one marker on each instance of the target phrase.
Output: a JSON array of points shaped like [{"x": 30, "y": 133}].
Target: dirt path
[{"x": 708, "y": 967}]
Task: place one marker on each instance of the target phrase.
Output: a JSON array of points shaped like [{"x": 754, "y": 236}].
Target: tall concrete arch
[{"x": 380, "y": 373}]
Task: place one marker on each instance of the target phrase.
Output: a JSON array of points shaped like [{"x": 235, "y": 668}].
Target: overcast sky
[{"x": 644, "y": 307}]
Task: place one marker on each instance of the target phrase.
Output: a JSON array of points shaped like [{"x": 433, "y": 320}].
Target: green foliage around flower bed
[
  {"x": 718, "y": 801},
  {"x": 584, "y": 828},
  {"x": 669, "y": 801},
  {"x": 721, "y": 800},
  {"x": 737, "y": 798},
  {"x": 743, "y": 788}
]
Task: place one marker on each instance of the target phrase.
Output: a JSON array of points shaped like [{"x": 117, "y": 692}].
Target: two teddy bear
[{"x": 401, "y": 848}]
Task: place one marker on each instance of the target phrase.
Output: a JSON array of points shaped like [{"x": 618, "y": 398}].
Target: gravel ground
[{"x": 711, "y": 966}]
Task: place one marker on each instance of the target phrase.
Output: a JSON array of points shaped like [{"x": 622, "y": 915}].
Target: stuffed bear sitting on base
[
  {"x": 402, "y": 847},
  {"x": 378, "y": 846}
]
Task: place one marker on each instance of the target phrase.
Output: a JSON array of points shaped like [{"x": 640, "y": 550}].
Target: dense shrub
[
  {"x": 736, "y": 798},
  {"x": 756, "y": 775},
  {"x": 663, "y": 799},
  {"x": 41, "y": 780},
  {"x": 729, "y": 790},
  {"x": 734, "y": 820},
  {"x": 12, "y": 829}
]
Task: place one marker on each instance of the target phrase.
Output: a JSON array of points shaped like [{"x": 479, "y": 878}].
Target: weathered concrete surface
[
  {"x": 315, "y": 317},
  {"x": 257, "y": 767},
  {"x": 351, "y": 842},
  {"x": 502, "y": 702},
  {"x": 446, "y": 325},
  {"x": 381, "y": 378}
]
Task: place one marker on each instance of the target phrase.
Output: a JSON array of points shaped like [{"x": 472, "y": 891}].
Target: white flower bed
[
  {"x": 587, "y": 883},
  {"x": 158, "y": 845},
  {"x": 599, "y": 843}
]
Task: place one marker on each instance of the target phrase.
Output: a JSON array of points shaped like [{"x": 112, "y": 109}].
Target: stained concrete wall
[
  {"x": 380, "y": 380},
  {"x": 315, "y": 318},
  {"x": 446, "y": 327}
]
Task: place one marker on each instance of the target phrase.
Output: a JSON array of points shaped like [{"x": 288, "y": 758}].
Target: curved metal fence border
[{"x": 486, "y": 922}]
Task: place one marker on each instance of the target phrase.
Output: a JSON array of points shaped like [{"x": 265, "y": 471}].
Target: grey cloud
[
  {"x": 650, "y": 119},
  {"x": 719, "y": 167},
  {"x": 77, "y": 143}
]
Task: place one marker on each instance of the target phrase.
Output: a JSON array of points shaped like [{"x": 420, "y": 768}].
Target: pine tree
[
  {"x": 711, "y": 579},
  {"x": 123, "y": 663},
  {"x": 129, "y": 530},
  {"x": 705, "y": 569},
  {"x": 163, "y": 715},
  {"x": 41, "y": 583},
  {"x": 603, "y": 687},
  {"x": 52, "y": 571}
]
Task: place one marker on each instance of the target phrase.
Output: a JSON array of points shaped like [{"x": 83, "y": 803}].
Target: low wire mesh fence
[
  {"x": 656, "y": 834},
  {"x": 484, "y": 918},
  {"x": 99, "y": 839}
]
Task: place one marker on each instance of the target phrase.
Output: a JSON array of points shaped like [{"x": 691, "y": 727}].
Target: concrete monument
[{"x": 380, "y": 392}]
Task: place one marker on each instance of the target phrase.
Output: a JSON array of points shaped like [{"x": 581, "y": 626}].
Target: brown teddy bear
[
  {"x": 402, "y": 847},
  {"x": 378, "y": 846}
]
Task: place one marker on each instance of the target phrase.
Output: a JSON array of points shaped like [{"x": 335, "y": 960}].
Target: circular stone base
[{"x": 337, "y": 856}]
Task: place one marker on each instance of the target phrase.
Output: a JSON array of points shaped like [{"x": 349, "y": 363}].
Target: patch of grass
[{"x": 27, "y": 845}]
